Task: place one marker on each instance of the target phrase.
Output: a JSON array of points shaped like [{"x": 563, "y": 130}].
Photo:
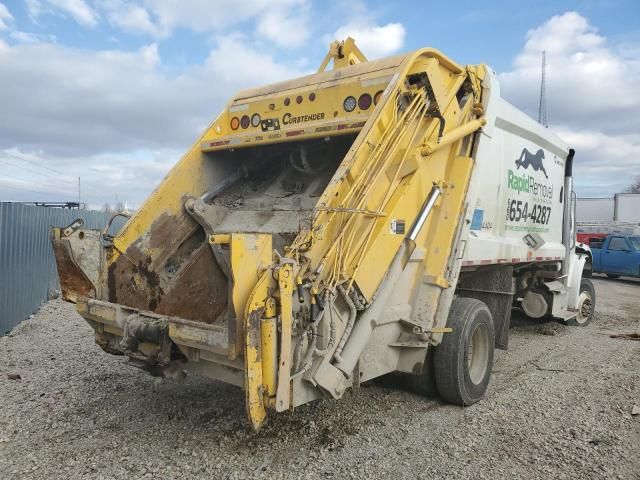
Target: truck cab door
[
  {"x": 635, "y": 256},
  {"x": 618, "y": 257}
]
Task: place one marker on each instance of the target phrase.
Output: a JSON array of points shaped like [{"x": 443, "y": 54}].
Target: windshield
[{"x": 635, "y": 241}]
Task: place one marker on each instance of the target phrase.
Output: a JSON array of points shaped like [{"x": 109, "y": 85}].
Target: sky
[{"x": 115, "y": 91}]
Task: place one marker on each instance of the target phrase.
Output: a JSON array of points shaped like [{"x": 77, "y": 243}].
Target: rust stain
[
  {"x": 170, "y": 270},
  {"x": 200, "y": 292},
  {"x": 73, "y": 282}
]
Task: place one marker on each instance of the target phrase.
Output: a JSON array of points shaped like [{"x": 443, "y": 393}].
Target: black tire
[
  {"x": 587, "y": 271},
  {"x": 612, "y": 275},
  {"x": 586, "y": 305},
  {"x": 459, "y": 380},
  {"x": 424, "y": 382}
]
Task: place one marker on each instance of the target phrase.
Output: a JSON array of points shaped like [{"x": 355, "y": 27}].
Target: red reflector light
[
  {"x": 287, "y": 101},
  {"x": 312, "y": 96},
  {"x": 364, "y": 102},
  {"x": 235, "y": 123},
  {"x": 245, "y": 121},
  {"x": 377, "y": 97},
  {"x": 294, "y": 133},
  {"x": 299, "y": 99}
]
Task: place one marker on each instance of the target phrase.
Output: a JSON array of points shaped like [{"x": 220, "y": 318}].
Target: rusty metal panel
[{"x": 28, "y": 274}]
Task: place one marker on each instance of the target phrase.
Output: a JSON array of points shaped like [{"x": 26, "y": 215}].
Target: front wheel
[
  {"x": 464, "y": 359},
  {"x": 586, "y": 305}
]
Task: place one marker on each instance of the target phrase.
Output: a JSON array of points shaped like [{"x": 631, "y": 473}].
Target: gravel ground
[{"x": 559, "y": 406}]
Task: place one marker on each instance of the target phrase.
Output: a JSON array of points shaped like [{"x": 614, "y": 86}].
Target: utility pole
[
  {"x": 542, "y": 108},
  {"x": 78, "y": 193}
]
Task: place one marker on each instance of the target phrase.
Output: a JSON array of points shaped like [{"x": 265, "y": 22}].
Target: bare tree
[{"x": 635, "y": 185}]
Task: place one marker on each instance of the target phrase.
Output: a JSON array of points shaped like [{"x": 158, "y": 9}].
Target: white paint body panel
[{"x": 497, "y": 229}]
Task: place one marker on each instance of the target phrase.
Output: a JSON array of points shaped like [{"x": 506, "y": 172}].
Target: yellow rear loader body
[{"x": 313, "y": 238}]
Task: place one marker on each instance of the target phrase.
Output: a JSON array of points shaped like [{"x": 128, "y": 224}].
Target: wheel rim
[
  {"x": 478, "y": 355},
  {"x": 585, "y": 306}
]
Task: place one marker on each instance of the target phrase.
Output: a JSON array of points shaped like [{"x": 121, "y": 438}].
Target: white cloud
[
  {"x": 204, "y": 15},
  {"x": 605, "y": 164},
  {"x": 28, "y": 37},
  {"x": 592, "y": 97},
  {"x": 111, "y": 110},
  {"x": 34, "y": 9},
  {"x": 133, "y": 18},
  {"x": 234, "y": 62},
  {"x": 5, "y": 17},
  {"x": 285, "y": 26},
  {"x": 79, "y": 10},
  {"x": 284, "y": 22},
  {"x": 149, "y": 55},
  {"x": 375, "y": 41}
]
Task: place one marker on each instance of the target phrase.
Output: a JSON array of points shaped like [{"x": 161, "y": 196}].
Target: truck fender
[
  {"x": 574, "y": 276},
  {"x": 586, "y": 251}
]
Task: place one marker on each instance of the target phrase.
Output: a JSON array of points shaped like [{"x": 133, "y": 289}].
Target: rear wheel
[
  {"x": 586, "y": 305},
  {"x": 464, "y": 359}
]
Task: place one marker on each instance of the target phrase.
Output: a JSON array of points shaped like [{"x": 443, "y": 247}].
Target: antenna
[{"x": 542, "y": 109}]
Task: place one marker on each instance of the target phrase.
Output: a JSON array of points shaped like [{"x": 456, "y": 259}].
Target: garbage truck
[{"x": 372, "y": 217}]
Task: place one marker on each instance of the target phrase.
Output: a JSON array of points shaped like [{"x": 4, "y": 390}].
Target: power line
[
  {"x": 26, "y": 189},
  {"x": 7, "y": 161},
  {"x": 52, "y": 189},
  {"x": 34, "y": 163},
  {"x": 67, "y": 178},
  {"x": 28, "y": 181},
  {"x": 63, "y": 183}
]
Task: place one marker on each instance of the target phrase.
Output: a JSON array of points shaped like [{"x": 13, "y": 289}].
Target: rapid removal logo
[
  {"x": 528, "y": 159},
  {"x": 524, "y": 183}
]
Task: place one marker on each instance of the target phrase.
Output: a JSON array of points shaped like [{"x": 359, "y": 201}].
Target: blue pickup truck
[{"x": 616, "y": 255}]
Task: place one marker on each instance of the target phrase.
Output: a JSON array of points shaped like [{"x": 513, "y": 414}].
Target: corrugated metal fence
[{"x": 27, "y": 267}]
